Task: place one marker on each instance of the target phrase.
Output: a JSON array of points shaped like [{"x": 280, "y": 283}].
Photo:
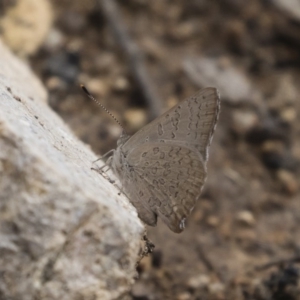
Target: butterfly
[{"x": 162, "y": 167}]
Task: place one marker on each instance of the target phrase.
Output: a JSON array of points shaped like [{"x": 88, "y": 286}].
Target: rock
[
  {"x": 140, "y": 291},
  {"x": 285, "y": 99},
  {"x": 216, "y": 287},
  {"x": 291, "y": 7},
  {"x": 288, "y": 114},
  {"x": 12, "y": 72},
  {"x": 199, "y": 281},
  {"x": 213, "y": 221},
  {"x": 97, "y": 87},
  {"x": 121, "y": 84},
  {"x": 184, "y": 31},
  {"x": 64, "y": 231},
  {"x": 232, "y": 84},
  {"x": 243, "y": 122},
  {"x": 34, "y": 20},
  {"x": 136, "y": 118},
  {"x": 152, "y": 48},
  {"x": 275, "y": 155},
  {"x": 184, "y": 296},
  {"x": 288, "y": 181},
  {"x": 54, "y": 40},
  {"x": 54, "y": 83},
  {"x": 245, "y": 217}
]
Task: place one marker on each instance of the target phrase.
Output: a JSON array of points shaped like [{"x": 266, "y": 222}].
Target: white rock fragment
[
  {"x": 65, "y": 232},
  {"x": 232, "y": 84},
  {"x": 292, "y": 7}
]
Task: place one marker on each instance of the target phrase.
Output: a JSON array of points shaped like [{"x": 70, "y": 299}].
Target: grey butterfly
[{"x": 162, "y": 167}]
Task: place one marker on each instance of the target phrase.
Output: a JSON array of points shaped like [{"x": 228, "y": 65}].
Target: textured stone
[{"x": 64, "y": 231}]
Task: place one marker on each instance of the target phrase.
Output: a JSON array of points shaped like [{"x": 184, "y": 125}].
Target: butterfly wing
[
  {"x": 165, "y": 162},
  {"x": 191, "y": 122},
  {"x": 167, "y": 179},
  {"x": 138, "y": 193}
]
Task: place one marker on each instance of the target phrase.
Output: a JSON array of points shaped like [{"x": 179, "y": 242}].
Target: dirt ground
[{"x": 242, "y": 240}]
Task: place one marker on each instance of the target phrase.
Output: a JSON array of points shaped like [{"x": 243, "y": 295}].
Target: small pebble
[
  {"x": 290, "y": 7},
  {"x": 121, "y": 84},
  {"x": 184, "y": 31},
  {"x": 288, "y": 181},
  {"x": 216, "y": 287},
  {"x": 245, "y": 217},
  {"x": 136, "y": 118},
  {"x": 275, "y": 155},
  {"x": 54, "y": 40},
  {"x": 198, "y": 215},
  {"x": 288, "y": 114},
  {"x": 55, "y": 83},
  {"x": 234, "y": 85},
  {"x": 272, "y": 145},
  {"x": 140, "y": 290},
  {"x": 184, "y": 296},
  {"x": 243, "y": 121},
  {"x": 152, "y": 48},
  {"x": 198, "y": 281},
  {"x": 97, "y": 87},
  {"x": 172, "y": 101},
  {"x": 213, "y": 221}
]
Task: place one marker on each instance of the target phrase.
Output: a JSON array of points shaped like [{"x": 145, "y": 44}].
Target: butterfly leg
[
  {"x": 105, "y": 155},
  {"x": 106, "y": 164}
]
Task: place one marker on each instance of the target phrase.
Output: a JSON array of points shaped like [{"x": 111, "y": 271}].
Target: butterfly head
[{"x": 124, "y": 137}]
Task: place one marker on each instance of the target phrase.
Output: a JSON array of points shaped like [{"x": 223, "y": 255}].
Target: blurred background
[{"x": 139, "y": 58}]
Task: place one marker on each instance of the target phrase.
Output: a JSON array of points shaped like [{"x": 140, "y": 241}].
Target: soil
[{"x": 242, "y": 240}]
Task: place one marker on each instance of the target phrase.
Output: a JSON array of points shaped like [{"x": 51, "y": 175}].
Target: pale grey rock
[
  {"x": 291, "y": 7},
  {"x": 233, "y": 85},
  {"x": 65, "y": 233}
]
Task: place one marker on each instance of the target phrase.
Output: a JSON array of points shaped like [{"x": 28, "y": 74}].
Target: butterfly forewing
[{"x": 191, "y": 122}]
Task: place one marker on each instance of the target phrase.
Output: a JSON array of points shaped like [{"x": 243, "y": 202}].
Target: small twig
[
  {"x": 295, "y": 259},
  {"x": 205, "y": 260},
  {"x": 134, "y": 55},
  {"x": 209, "y": 265}
]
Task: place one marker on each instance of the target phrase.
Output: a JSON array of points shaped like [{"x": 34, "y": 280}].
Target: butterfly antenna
[{"x": 101, "y": 105}]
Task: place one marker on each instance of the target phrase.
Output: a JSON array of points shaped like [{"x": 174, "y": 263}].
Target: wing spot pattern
[
  {"x": 162, "y": 181},
  {"x": 154, "y": 170},
  {"x": 160, "y": 129},
  {"x": 155, "y": 150}
]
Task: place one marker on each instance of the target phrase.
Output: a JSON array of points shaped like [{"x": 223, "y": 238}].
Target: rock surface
[{"x": 64, "y": 231}]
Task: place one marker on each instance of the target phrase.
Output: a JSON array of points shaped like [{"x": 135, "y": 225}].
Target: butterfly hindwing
[{"x": 171, "y": 175}]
